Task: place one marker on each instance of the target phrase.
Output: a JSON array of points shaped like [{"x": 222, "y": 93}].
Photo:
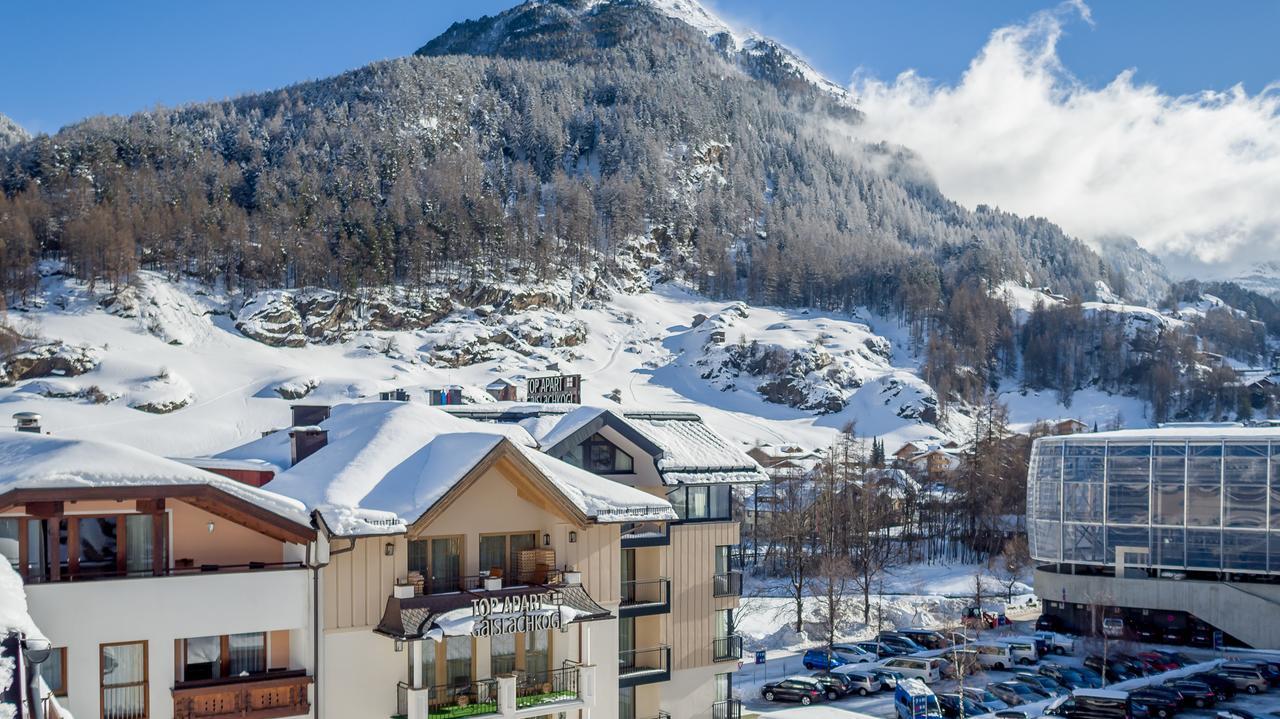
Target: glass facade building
[{"x": 1197, "y": 499}]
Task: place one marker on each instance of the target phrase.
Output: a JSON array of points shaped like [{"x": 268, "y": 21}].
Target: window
[
  {"x": 724, "y": 623},
  {"x": 501, "y": 552},
  {"x": 627, "y": 703},
  {"x": 502, "y": 654},
  {"x": 701, "y": 502},
  {"x": 537, "y": 650},
  {"x": 439, "y": 560},
  {"x": 228, "y": 655},
  {"x": 9, "y": 544},
  {"x": 457, "y": 652},
  {"x": 427, "y": 658},
  {"x": 99, "y": 545},
  {"x": 628, "y": 558},
  {"x": 599, "y": 455},
  {"x": 85, "y": 547},
  {"x": 54, "y": 671},
  {"x": 724, "y": 686},
  {"x": 124, "y": 680}
]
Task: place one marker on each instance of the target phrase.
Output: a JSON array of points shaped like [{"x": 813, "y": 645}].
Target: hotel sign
[
  {"x": 560, "y": 389},
  {"x": 517, "y": 613}
]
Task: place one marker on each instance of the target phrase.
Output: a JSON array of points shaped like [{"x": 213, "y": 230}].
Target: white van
[
  {"x": 1024, "y": 650},
  {"x": 994, "y": 656},
  {"x": 926, "y": 669}
]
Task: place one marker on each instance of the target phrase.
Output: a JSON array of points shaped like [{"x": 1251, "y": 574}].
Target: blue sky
[{"x": 71, "y": 60}]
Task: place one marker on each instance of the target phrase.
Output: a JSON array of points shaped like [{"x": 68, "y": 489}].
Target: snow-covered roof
[
  {"x": 35, "y": 461},
  {"x": 685, "y": 449},
  {"x": 690, "y": 447},
  {"x": 1174, "y": 432},
  {"x": 241, "y": 465},
  {"x": 386, "y": 464}
]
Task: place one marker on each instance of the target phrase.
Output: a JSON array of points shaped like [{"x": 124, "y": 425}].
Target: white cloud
[{"x": 1194, "y": 178}]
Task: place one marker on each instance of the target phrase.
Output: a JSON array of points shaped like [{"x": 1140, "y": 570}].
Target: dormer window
[{"x": 600, "y": 456}]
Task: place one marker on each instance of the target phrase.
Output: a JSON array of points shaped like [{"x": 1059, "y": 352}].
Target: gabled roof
[
  {"x": 684, "y": 449},
  {"x": 34, "y": 466},
  {"x": 386, "y": 464}
]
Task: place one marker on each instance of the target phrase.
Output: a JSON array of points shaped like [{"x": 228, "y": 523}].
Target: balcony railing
[
  {"x": 645, "y": 534},
  {"x": 260, "y": 696},
  {"x": 724, "y": 649},
  {"x": 642, "y": 597},
  {"x": 181, "y": 568},
  {"x": 556, "y": 685},
  {"x": 644, "y": 666},
  {"x": 728, "y": 584},
  {"x": 464, "y": 700},
  {"x": 727, "y": 709}
]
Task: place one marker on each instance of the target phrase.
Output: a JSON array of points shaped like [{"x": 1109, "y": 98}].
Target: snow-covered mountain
[
  {"x": 1263, "y": 278},
  {"x": 537, "y": 22},
  {"x": 11, "y": 133},
  {"x": 178, "y": 369}
]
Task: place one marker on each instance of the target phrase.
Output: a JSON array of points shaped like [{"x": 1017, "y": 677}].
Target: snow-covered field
[{"x": 175, "y": 375}]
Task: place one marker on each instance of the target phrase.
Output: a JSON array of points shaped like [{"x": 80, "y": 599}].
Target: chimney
[
  {"x": 306, "y": 441},
  {"x": 306, "y": 415},
  {"x": 27, "y": 422}
]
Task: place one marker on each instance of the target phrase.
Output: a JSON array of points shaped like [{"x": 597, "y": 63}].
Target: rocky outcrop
[
  {"x": 294, "y": 318},
  {"x": 50, "y": 359}
]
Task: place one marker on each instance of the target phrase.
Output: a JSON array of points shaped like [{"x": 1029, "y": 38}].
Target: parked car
[
  {"x": 862, "y": 682},
  {"x": 958, "y": 637},
  {"x": 983, "y": 696},
  {"x": 1046, "y": 684},
  {"x": 1194, "y": 693},
  {"x": 821, "y": 659},
  {"x": 1113, "y": 627},
  {"x": 1114, "y": 671},
  {"x": 1014, "y": 693},
  {"x": 899, "y": 641},
  {"x": 881, "y": 650},
  {"x": 805, "y": 690},
  {"x": 927, "y": 638},
  {"x": 1160, "y": 661},
  {"x": 1093, "y": 678},
  {"x": 1068, "y": 677},
  {"x": 994, "y": 656},
  {"x": 1247, "y": 678},
  {"x": 926, "y": 669},
  {"x": 1024, "y": 651},
  {"x": 1223, "y": 687},
  {"x": 1060, "y": 644},
  {"x": 853, "y": 653},
  {"x": 1092, "y": 704},
  {"x": 1270, "y": 669},
  {"x": 834, "y": 684},
  {"x": 911, "y": 692},
  {"x": 958, "y": 706},
  {"x": 962, "y": 661},
  {"x": 888, "y": 678},
  {"x": 1016, "y": 713},
  {"x": 1048, "y": 623},
  {"x": 1158, "y": 702}
]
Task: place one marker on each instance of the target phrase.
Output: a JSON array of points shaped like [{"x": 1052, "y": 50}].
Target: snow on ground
[
  {"x": 912, "y": 595},
  {"x": 174, "y": 350},
  {"x": 1090, "y": 405}
]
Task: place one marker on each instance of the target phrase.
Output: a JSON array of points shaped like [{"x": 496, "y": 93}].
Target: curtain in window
[
  {"x": 724, "y": 687},
  {"x": 502, "y": 654},
  {"x": 493, "y": 554},
  {"x": 204, "y": 658},
  {"x": 536, "y": 652},
  {"x": 247, "y": 653},
  {"x": 9, "y": 540},
  {"x": 457, "y": 652},
  {"x": 519, "y": 543},
  {"x": 627, "y": 703},
  {"x": 139, "y": 543},
  {"x": 427, "y": 658},
  {"x": 124, "y": 681},
  {"x": 446, "y": 564},
  {"x": 51, "y": 671}
]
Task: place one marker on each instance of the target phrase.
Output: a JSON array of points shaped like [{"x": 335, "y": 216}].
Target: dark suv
[
  {"x": 805, "y": 690},
  {"x": 835, "y": 684},
  {"x": 1159, "y": 702}
]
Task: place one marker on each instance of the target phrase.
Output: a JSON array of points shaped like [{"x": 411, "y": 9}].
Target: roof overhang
[
  {"x": 206, "y": 497},
  {"x": 613, "y": 422}
]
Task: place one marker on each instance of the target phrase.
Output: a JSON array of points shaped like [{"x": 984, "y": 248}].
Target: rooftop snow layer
[
  {"x": 387, "y": 463},
  {"x": 689, "y": 445},
  {"x": 35, "y": 461}
]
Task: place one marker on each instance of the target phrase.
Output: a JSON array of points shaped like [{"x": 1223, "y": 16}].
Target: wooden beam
[{"x": 44, "y": 510}]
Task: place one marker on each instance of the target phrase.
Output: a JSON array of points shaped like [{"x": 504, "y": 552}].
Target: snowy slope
[{"x": 182, "y": 340}]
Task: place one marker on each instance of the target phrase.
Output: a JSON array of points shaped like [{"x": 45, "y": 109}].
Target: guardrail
[
  {"x": 726, "y": 648},
  {"x": 728, "y": 584},
  {"x": 556, "y": 685}
]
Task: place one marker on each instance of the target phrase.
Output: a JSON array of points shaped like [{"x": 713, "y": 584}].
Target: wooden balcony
[{"x": 263, "y": 696}]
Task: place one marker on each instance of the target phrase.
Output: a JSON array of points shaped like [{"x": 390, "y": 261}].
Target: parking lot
[{"x": 778, "y": 665}]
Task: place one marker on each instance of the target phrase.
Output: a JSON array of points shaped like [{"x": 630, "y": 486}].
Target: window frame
[
  {"x": 224, "y": 656},
  {"x": 145, "y": 683},
  {"x": 599, "y": 440},
  {"x": 61, "y": 690}
]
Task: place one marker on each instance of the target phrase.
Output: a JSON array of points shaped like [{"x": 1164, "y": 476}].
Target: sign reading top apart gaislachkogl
[
  {"x": 517, "y": 613},
  {"x": 560, "y": 389}
]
